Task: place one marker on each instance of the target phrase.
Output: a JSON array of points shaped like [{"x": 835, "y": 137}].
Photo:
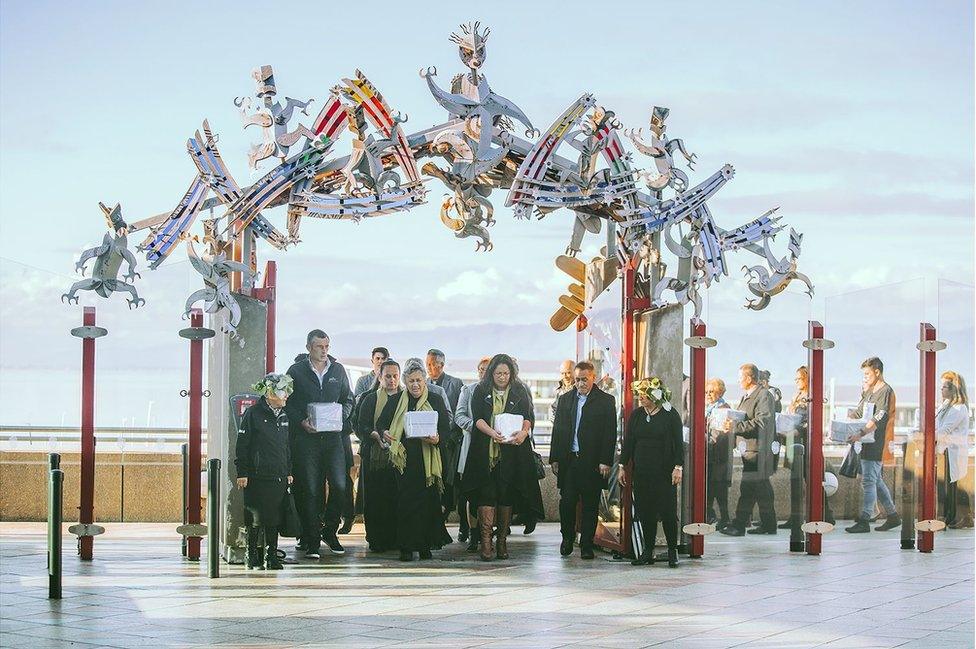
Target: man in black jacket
[
  {"x": 758, "y": 430},
  {"x": 584, "y": 439},
  {"x": 319, "y": 456}
]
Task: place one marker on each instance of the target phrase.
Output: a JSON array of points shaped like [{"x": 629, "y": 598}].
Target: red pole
[
  {"x": 86, "y": 510},
  {"x": 926, "y": 539},
  {"x": 195, "y": 433},
  {"x": 815, "y": 459},
  {"x": 697, "y": 437},
  {"x": 627, "y": 369},
  {"x": 267, "y": 294}
]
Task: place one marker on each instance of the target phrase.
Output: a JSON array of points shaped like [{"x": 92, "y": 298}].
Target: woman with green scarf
[
  {"x": 417, "y": 468},
  {"x": 376, "y": 410},
  {"x": 500, "y": 472}
]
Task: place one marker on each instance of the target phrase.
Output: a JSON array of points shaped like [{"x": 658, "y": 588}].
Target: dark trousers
[
  {"x": 755, "y": 491},
  {"x": 341, "y": 504},
  {"x": 318, "y": 457},
  {"x": 656, "y": 500},
  {"x": 577, "y": 486},
  {"x": 718, "y": 494}
]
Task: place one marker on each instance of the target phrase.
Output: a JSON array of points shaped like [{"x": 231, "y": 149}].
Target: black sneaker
[
  {"x": 890, "y": 523},
  {"x": 586, "y": 553},
  {"x": 530, "y": 527},
  {"x": 732, "y": 530},
  {"x": 860, "y": 527},
  {"x": 333, "y": 543},
  {"x": 313, "y": 554},
  {"x": 346, "y": 527},
  {"x": 566, "y": 548},
  {"x": 762, "y": 530}
]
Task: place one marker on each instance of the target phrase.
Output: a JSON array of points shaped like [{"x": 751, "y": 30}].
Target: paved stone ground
[{"x": 863, "y": 592}]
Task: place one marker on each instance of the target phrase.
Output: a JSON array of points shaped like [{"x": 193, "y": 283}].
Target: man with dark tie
[{"x": 584, "y": 439}]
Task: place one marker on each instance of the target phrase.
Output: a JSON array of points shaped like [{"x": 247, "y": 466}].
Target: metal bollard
[
  {"x": 213, "y": 518},
  {"x": 55, "y": 496},
  {"x": 184, "y": 452},
  {"x": 908, "y": 465},
  {"x": 797, "y": 499}
]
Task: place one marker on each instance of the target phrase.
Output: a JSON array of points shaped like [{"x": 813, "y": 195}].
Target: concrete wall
[{"x": 147, "y": 488}]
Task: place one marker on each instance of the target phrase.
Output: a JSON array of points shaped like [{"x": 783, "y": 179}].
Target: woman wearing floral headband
[
  {"x": 653, "y": 441},
  {"x": 264, "y": 470}
]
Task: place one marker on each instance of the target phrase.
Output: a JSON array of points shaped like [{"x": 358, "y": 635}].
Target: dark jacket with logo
[
  {"x": 262, "y": 444},
  {"x": 597, "y": 432},
  {"x": 334, "y": 389}
]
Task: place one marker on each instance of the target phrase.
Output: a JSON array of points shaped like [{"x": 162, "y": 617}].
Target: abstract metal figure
[
  {"x": 216, "y": 293},
  {"x": 765, "y": 284},
  {"x": 578, "y": 163},
  {"x": 272, "y": 118},
  {"x": 662, "y": 150},
  {"x": 108, "y": 261}
]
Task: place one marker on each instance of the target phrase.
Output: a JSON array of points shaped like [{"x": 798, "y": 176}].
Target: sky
[{"x": 856, "y": 119}]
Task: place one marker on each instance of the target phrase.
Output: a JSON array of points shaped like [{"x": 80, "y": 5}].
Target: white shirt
[
  {"x": 321, "y": 376},
  {"x": 952, "y": 435}
]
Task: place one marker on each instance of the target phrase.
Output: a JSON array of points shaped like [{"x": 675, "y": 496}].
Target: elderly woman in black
[
  {"x": 500, "y": 471},
  {"x": 653, "y": 442},
  {"x": 375, "y": 416},
  {"x": 417, "y": 466},
  {"x": 264, "y": 470}
]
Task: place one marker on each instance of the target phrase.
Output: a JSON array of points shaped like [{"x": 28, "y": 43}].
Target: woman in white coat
[{"x": 952, "y": 435}]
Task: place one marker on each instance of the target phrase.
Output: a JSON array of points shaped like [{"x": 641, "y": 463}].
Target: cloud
[{"x": 471, "y": 285}]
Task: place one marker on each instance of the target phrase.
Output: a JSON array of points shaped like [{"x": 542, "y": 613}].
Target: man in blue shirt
[{"x": 584, "y": 440}]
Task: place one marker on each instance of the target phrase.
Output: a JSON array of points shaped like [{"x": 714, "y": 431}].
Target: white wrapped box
[
  {"x": 841, "y": 429},
  {"x": 720, "y": 415},
  {"x": 508, "y": 424},
  {"x": 325, "y": 417},
  {"x": 420, "y": 423},
  {"x": 786, "y": 423}
]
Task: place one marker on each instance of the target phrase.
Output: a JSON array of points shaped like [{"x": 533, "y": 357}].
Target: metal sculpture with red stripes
[{"x": 579, "y": 163}]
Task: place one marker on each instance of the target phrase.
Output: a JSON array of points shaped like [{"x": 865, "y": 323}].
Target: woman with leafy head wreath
[
  {"x": 264, "y": 469},
  {"x": 654, "y": 444}
]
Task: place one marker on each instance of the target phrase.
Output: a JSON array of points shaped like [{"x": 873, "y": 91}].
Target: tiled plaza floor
[{"x": 751, "y": 592}]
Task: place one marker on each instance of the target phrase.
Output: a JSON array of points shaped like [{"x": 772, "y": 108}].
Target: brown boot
[
  {"x": 501, "y": 542},
  {"x": 486, "y": 516}
]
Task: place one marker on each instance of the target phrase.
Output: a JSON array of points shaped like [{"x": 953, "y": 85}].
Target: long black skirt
[
  {"x": 379, "y": 506},
  {"x": 419, "y": 522},
  {"x": 263, "y": 499}
]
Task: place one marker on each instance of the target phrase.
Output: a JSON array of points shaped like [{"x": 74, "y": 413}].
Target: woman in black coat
[
  {"x": 653, "y": 441},
  {"x": 379, "y": 482},
  {"x": 501, "y": 472},
  {"x": 264, "y": 469}
]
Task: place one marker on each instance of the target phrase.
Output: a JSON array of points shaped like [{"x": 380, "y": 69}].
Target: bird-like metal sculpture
[{"x": 578, "y": 163}]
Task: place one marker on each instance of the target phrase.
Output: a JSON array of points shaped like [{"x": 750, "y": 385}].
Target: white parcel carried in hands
[
  {"x": 841, "y": 429},
  {"x": 787, "y": 423},
  {"x": 720, "y": 415},
  {"x": 420, "y": 423},
  {"x": 508, "y": 424},
  {"x": 325, "y": 416}
]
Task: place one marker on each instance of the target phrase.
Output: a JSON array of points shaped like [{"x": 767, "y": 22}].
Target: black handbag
[
  {"x": 290, "y": 526},
  {"x": 851, "y": 466},
  {"x": 540, "y": 466}
]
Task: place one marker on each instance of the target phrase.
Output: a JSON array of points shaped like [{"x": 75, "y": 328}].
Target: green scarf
[
  {"x": 498, "y": 402},
  {"x": 398, "y": 452},
  {"x": 379, "y": 457}
]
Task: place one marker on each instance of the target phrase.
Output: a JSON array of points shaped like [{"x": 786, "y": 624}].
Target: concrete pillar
[{"x": 233, "y": 369}]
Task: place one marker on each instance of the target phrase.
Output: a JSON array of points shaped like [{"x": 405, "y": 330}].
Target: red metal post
[
  {"x": 815, "y": 458},
  {"x": 267, "y": 294},
  {"x": 697, "y": 438},
  {"x": 86, "y": 510},
  {"x": 195, "y": 433},
  {"x": 926, "y": 403},
  {"x": 628, "y": 367}
]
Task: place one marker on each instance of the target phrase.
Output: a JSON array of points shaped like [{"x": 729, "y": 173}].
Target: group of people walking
[{"x": 478, "y": 462}]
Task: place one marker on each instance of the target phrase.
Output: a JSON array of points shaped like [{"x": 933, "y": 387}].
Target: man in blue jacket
[{"x": 319, "y": 455}]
